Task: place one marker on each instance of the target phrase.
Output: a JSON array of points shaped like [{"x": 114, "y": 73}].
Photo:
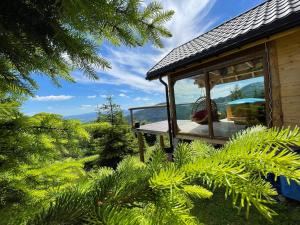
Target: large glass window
[
  {"x": 237, "y": 96},
  {"x": 190, "y": 98}
]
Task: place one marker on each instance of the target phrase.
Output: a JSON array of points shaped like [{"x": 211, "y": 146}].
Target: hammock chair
[{"x": 200, "y": 111}]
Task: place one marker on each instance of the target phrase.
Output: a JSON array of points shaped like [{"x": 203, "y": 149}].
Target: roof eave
[{"x": 280, "y": 25}]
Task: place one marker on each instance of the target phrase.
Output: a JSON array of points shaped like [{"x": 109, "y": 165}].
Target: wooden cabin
[{"x": 254, "y": 55}]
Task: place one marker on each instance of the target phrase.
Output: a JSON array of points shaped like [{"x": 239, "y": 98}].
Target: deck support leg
[
  {"x": 141, "y": 146},
  {"x": 161, "y": 142}
]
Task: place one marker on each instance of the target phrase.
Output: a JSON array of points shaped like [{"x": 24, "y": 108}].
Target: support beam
[
  {"x": 250, "y": 64},
  {"x": 141, "y": 146},
  {"x": 267, "y": 85},
  {"x": 277, "y": 114},
  {"x": 208, "y": 104},
  {"x": 171, "y": 84}
]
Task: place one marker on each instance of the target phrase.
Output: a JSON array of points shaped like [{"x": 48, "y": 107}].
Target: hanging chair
[{"x": 200, "y": 111}]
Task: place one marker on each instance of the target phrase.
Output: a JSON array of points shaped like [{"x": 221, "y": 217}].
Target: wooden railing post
[
  {"x": 141, "y": 146},
  {"x": 131, "y": 118},
  {"x": 161, "y": 142}
]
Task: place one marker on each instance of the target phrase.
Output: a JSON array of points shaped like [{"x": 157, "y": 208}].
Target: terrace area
[{"x": 213, "y": 105}]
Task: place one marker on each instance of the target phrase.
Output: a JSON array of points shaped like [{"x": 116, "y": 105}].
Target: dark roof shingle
[{"x": 265, "y": 19}]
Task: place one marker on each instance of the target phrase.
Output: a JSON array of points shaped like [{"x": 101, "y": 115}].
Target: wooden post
[
  {"x": 277, "y": 114},
  {"x": 171, "y": 84},
  {"x": 208, "y": 104},
  {"x": 267, "y": 80},
  {"x": 161, "y": 142},
  {"x": 131, "y": 118},
  {"x": 141, "y": 146}
]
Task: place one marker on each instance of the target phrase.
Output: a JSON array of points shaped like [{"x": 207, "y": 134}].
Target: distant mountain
[
  {"x": 183, "y": 111},
  {"x": 88, "y": 117},
  {"x": 149, "y": 115},
  {"x": 254, "y": 90}
]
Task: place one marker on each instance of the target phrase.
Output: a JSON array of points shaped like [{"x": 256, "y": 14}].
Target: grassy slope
[{"x": 217, "y": 211}]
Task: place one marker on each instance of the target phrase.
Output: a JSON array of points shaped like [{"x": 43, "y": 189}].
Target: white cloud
[
  {"x": 91, "y": 96},
  {"x": 86, "y": 106},
  {"x": 129, "y": 65},
  {"x": 52, "y": 98},
  {"x": 103, "y": 96},
  {"x": 187, "y": 92},
  {"x": 188, "y": 21},
  {"x": 123, "y": 95},
  {"x": 141, "y": 99}
]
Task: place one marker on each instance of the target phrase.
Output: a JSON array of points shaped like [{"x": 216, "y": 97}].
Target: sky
[{"x": 125, "y": 82}]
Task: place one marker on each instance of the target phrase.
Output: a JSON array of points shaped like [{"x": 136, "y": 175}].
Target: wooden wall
[{"x": 288, "y": 59}]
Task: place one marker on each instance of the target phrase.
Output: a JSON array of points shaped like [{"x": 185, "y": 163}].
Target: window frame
[{"x": 215, "y": 65}]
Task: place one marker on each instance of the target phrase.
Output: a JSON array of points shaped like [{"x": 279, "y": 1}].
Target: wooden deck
[{"x": 222, "y": 128}]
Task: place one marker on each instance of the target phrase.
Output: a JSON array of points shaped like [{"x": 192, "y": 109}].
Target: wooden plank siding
[{"x": 288, "y": 53}]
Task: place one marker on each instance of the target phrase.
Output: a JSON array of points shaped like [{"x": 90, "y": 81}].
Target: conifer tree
[
  {"x": 53, "y": 37},
  {"x": 236, "y": 93},
  {"x": 116, "y": 140},
  {"x": 110, "y": 112},
  {"x": 161, "y": 192}
]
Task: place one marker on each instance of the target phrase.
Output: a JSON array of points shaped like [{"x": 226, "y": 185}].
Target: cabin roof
[{"x": 268, "y": 18}]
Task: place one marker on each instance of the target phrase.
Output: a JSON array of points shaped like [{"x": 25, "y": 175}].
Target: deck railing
[
  {"x": 140, "y": 108},
  {"x": 149, "y": 107}
]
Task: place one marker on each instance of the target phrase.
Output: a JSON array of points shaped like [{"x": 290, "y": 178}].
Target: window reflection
[
  {"x": 237, "y": 100},
  {"x": 238, "y": 92}
]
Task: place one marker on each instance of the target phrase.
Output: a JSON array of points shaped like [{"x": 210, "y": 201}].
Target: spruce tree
[
  {"x": 110, "y": 112},
  {"x": 162, "y": 192},
  {"x": 54, "y": 37}
]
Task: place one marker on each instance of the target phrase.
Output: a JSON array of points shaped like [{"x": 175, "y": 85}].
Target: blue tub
[{"x": 290, "y": 191}]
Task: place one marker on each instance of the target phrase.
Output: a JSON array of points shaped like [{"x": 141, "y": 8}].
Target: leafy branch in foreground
[
  {"x": 160, "y": 192},
  {"x": 55, "y": 37}
]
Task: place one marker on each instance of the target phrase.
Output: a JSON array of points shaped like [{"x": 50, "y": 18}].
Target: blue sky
[{"x": 126, "y": 80}]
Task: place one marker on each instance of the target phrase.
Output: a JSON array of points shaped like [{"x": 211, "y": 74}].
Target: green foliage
[
  {"x": 54, "y": 37},
  {"x": 30, "y": 147},
  {"x": 111, "y": 142},
  {"x": 236, "y": 93},
  {"x": 111, "y": 136},
  {"x": 24, "y": 192},
  {"x": 38, "y": 138},
  {"x": 217, "y": 210},
  {"x": 110, "y": 112},
  {"x": 117, "y": 143},
  {"x": 161, "y": 192}
]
